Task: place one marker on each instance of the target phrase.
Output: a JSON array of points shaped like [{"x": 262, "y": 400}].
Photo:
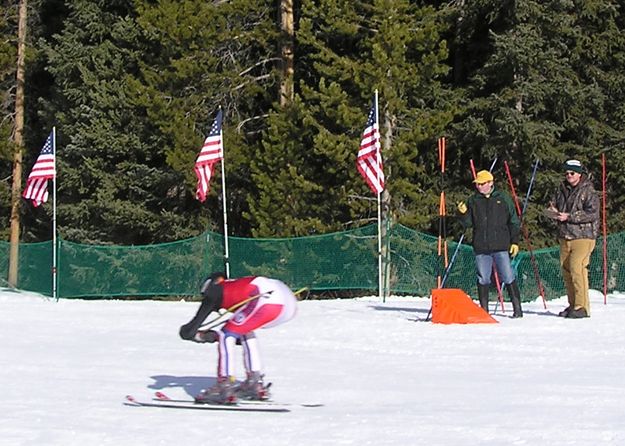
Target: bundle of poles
[{"x": 442, "y": 216}]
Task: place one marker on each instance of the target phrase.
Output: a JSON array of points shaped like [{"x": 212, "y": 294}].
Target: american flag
[
  {"x": 211, "y": 153},
  {"x": 43, "y": 170},
  {"x": 369, "y": 161}
]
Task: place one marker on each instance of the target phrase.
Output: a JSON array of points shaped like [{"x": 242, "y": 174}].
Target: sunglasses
[{"x": 570, "y": 174}]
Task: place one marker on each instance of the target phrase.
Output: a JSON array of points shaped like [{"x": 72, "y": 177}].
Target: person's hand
[
  {"x": 187, "y": 332},
  {"x": 563, "y": 216},
  {"x": 462, "y": 207},
  {"x": 514, "y": 249}
]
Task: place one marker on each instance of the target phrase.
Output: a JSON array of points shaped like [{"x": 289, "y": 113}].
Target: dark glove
[
  {"x": 187, "y": 331},
  {"x": 206, "y": 336}
]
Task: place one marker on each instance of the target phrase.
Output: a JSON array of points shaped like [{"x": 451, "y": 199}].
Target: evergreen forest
[{"x": 132, "y": 88}]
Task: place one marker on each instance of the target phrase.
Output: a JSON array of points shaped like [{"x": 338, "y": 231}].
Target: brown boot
[{"x": 577, "y": 314}]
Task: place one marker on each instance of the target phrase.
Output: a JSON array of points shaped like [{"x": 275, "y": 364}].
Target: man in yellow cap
[{"x": 496, "y": 228}]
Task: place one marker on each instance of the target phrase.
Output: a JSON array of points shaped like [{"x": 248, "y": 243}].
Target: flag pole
[
  {"x": 380, "y": 269},
  {"x": 212, "y": 152},
  {"x": 369, "y": 164},
  {"x": 225, "y": 207},
  {"x": 54, "y": 276}
]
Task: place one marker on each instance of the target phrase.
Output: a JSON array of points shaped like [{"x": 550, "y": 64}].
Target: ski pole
[
  {"x": 216, "y": 321},
  {"x": 300, "y": 291},
  {"x": 451, "y": 262},
  {"x": 515, "y": 262},
  {"x": 492, "y": 165},
  {"x": 529, "y": 189},
  {"x": 541, "y": 291}
]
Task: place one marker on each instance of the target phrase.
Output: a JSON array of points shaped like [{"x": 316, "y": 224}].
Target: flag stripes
[
  {"x": 369, "y": 160},
  {"x": 211, "y": 153},
  {"x": 44, "y": 169}
]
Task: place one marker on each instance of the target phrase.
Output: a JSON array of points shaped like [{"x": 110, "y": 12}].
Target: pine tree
[
  {"x": 533, "y": 91},
  {"x": 201, "y": 56},
  {"x": 598, "y": 57},
  {"x": 113, "y": 183},
  {"x": 8, "y": 49},
  {"x": 133, "y": 86},
  {"x": 306, "y": 172}
]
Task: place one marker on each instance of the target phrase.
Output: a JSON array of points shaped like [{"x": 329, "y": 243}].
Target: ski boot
[
  {"x": 223, "y": 392},
  {"x": 253, "y": 388}
]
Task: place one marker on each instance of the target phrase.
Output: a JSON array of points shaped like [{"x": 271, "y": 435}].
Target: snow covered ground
[{"x": 385, "y": 375}]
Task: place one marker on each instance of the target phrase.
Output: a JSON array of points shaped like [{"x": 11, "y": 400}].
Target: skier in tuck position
[{"x": 260, "y": 302}]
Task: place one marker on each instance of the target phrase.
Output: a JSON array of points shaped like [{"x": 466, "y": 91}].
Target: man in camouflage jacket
[{"x": 575, "y": 207}]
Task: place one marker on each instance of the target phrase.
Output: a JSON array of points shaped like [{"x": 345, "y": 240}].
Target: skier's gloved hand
[
  {"x": 462, "y": 207},
  {"x": 187, "y": 332},
  {"x": 206, "y": 336},
  {"x": 514, "y": 249}
]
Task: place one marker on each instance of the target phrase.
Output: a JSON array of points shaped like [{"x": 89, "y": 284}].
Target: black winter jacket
[{"x": 494, "y": 221}]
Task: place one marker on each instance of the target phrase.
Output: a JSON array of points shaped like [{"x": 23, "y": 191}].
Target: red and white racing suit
[{"x": 271, "y": 303}]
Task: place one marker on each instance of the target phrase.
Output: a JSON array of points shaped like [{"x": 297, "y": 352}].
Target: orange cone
[{"x": 453, "y": 306}]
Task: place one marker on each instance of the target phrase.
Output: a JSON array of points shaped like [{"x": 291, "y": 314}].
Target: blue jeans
[{"x": 484, "y": 263}]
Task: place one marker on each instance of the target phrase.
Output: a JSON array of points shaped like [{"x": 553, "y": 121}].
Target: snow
[{"x": 384, "y": 375}]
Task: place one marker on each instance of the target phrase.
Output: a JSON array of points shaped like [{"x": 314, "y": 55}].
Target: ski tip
[
  {"x": 161, "y": 396},
  {"x": 131, "y": 399}
]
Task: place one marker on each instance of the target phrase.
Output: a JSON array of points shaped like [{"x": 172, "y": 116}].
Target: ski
[
  {"x": 160, "y": 396},
  {"x": 192, "y": 405}
]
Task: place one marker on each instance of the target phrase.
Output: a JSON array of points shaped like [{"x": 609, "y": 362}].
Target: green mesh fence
[
  {"x": 34, "y": 266},
  {"x": 338, "y": 261}
]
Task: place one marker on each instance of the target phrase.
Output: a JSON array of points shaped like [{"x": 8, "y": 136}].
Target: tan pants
[{"x": 574, "y": 260}]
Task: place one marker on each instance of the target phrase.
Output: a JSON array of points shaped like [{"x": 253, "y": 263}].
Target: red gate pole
[{"x": 541, "y": 290}]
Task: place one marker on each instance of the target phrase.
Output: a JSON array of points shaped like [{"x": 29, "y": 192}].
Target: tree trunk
[
  {"x": 458, "y": 55},
  {"x": 286, "y": 86},
  {"x": 18, "y": 148}
]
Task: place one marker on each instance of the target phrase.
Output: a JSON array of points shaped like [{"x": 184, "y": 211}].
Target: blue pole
[
  {"x": 451, "y": 262},
  {"x": 529, "y": 189}
]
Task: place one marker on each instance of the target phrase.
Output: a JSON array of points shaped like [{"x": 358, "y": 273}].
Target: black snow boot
[
  {"x": 482, "y": 294},
  {"x": 515, "y": 298}
]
